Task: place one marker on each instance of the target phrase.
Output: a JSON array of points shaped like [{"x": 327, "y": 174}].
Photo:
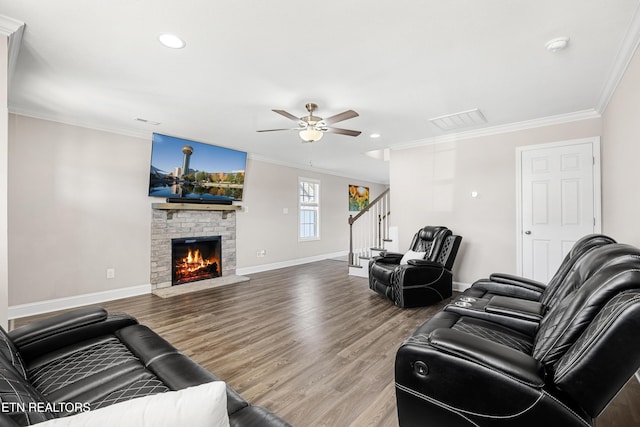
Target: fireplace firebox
[{"x": 195, "y": 258}]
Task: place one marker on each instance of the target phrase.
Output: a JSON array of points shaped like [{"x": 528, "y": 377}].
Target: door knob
[{"x": 527, "y": 232}]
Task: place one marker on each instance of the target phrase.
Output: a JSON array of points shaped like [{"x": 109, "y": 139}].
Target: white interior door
[{"x": 559, "y": 202}]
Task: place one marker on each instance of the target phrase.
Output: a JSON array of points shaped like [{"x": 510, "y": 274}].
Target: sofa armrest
[
  {"x": 44, "y": 336},
  {"x": 59, "y": 323},
  {"x": 389, "y": 257},
  {"x": 500, "y": 358},
  {"x": 510, "y": 289},
  {"x": 510, "y": 279},
  {"x": 424, "y": 263},
  {"x": 516, "y": 307}
]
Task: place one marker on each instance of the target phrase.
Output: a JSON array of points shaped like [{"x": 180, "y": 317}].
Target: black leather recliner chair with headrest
[
  {"x": 521, "y": 287},
  {"x": 461, "y": 371},
  {"x": 422, "y": 276},
  {"x": 525, "y": 315}
]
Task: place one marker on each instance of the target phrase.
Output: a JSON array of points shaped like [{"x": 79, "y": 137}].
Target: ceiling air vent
[{"x": 459, "y": 120}]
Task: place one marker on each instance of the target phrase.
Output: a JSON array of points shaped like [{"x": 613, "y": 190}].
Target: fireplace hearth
[{"x": 195, "y": 258}]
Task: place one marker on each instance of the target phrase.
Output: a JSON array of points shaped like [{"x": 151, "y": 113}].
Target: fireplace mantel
[{"x": 194, "y": 207}]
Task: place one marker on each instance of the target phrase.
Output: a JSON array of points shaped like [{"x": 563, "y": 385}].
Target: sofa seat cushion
[
  {"x": 495, "y": 333},
  {"x": 480, "y": 328},
  {"x": 145, "y": 386},
  {"x": 75, "y": 363}
]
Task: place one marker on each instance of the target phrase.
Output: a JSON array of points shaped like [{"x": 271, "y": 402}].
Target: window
[{"x": 309, "y": 209}]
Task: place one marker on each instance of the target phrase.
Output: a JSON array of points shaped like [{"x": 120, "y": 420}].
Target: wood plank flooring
[{"x": 311, "y": 343}]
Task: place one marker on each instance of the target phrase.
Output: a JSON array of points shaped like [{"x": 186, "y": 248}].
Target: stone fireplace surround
[{"x": 170, "y": 221}]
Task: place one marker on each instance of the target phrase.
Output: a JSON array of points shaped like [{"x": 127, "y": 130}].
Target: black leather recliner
[
  {"x": 419, "y": 281},
  {"x": 524, "y": 313},
  {"x": 521, "y": 287},
  {"x": 462, "y": 371}
]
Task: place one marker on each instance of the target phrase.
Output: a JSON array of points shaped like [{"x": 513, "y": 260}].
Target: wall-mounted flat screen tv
[{"x": 186, "y": 169}]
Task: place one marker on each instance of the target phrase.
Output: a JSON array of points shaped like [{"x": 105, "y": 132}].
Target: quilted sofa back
[
  {"x": 605, "y": 356},
  {"x": 556, "y": 290},
  {"x": 430, "y": 240},
  {"x": 21, "y": 402},
  {"x": 594, "y": 280}
]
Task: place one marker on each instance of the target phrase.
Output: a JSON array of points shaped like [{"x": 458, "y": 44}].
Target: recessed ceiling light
[
  {"x": 374, "y": 135},
  {"x": 557, "y": 44},
  {"x": 172, "y": 41}
]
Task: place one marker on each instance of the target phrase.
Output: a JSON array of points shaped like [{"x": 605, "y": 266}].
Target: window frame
[{"x": 312, "y": 206}]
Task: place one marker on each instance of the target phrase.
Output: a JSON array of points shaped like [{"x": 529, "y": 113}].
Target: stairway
[{"x": 370, "y": 234}]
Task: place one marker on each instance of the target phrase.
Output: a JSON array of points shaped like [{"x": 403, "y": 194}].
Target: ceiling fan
[{"x": 311, "y": 128}]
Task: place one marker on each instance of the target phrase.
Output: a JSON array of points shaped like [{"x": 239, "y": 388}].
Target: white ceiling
[{"x": 98, "y": 63}]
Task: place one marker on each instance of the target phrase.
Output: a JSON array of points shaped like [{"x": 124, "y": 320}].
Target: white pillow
[
  {"x": 199, "y": 406},
  {"x": 412, "y": 255}
]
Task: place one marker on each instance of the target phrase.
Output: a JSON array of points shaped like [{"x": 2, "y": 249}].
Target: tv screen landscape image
[{"x": 181, "y": 168}]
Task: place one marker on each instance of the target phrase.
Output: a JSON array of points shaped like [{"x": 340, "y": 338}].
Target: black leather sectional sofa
[
  {"x": 515, "y": 352},
  {"x": 96, "y": 359}
]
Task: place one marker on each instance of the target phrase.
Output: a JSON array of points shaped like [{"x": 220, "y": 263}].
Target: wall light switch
[
  {"x": 285, "y": 210},
  {"x": 111, "y": 273}
]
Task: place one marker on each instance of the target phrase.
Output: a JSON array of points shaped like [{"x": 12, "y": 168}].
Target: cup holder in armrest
[{"x": 463, "y": 304}]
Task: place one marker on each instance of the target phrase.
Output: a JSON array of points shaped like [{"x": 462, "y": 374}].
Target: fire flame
[
  {"x": 195, "y": 267},
  {"x": 194, "y": 261}
]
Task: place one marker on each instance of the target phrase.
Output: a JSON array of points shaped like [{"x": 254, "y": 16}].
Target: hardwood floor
[{"x": 311, "y": 343}]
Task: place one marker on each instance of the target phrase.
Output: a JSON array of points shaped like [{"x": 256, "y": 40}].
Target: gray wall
[
  {"x": 264, "y": 225},
  {"x": 77, "y": 205}
]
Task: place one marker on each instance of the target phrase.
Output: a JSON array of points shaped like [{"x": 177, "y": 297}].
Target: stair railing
[{"x": 369, "y": 229}]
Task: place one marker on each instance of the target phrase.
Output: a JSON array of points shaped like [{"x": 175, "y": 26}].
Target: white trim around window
[{"x": 308, "y": 209}]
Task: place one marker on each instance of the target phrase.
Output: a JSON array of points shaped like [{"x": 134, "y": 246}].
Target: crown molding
[
  {"x": 13, "y": 30},
  {"x": 25, "y": 112},
  {"x": 623, "y": 58},
  {"x": 501, "y": 129}
]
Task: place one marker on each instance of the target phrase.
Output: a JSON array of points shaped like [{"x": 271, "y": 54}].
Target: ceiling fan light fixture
[{"x": 310, "y": 135}]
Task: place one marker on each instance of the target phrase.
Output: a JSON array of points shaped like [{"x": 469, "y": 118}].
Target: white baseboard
[
  {"x": 461, "y": 287},
  {"x": 40, "y": 307},
  {"x": 290, "y": 263}
]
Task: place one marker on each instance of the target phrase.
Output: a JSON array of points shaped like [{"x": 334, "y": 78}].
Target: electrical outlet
[
  {"x": 111, "y": 273},
  {"x": 261, "y": 253}
]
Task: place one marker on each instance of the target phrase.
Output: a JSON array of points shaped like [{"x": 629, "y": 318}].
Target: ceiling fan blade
[
  {"x": 287, "y": 115},
  {"x": 273, "y": 130},
  {"x": 349, "y": 114},
  {"x": 344, "y": 131}
]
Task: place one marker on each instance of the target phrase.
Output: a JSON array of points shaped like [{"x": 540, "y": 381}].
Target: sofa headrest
[{"x": 430, "y": 232}]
